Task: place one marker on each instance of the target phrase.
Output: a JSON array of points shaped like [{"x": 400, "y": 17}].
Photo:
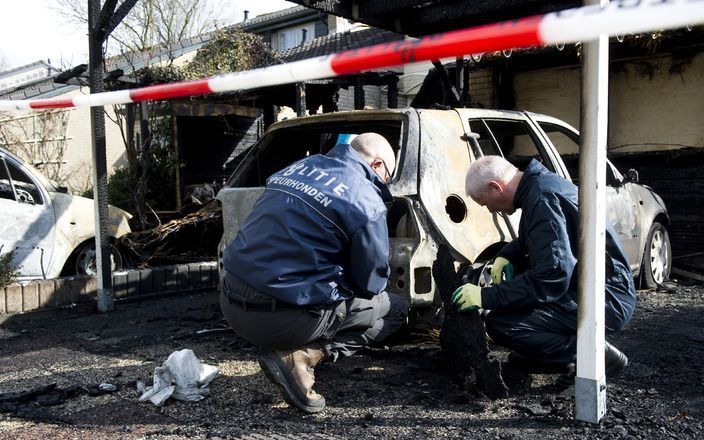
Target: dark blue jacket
[
  {"x": 548, "y": 236},
  {"x": 318, "y": 234}
]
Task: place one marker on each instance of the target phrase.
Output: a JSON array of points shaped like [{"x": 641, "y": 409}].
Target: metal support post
[
  {"x": 106, "y": 301},
  {"x": 590, "y": 384}
]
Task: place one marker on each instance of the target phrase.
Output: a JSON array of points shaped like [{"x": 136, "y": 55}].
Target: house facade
[
  {"x": 232, "y": 124},
  {"x": 57, "y": 142},
  {"x": 19, "y": 76}
]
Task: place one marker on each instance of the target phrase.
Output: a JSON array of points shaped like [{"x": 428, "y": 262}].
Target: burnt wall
[
  {"x": 208, "y": 142},
  {"x": 678, "y": 177}
]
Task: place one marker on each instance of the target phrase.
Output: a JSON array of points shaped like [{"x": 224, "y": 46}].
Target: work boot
[
  {"x": 292, "y": 372},
  {"x": 614, "y": 361}
]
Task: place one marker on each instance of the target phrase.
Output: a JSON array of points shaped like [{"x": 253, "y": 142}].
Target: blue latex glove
[
  {"x": 501, "y": 270},
  {"x": 467, "y": 297}
]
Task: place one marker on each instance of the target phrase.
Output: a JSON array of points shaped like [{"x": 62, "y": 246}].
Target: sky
[{"x": 31, "y": 30}]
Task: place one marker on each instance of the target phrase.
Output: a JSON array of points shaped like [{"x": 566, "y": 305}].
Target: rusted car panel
[
  {"x": 433, "y": 149},
  {"x": 445, "y": 157},
  {"x": 237, "y": 204},
  {"x": 43, "y": 225}
]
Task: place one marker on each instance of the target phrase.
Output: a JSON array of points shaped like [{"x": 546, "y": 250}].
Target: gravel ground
[{"x": 401, "y": 391}]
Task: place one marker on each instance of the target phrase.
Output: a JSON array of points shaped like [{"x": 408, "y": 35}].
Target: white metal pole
[{"x": 590, "y": 383}]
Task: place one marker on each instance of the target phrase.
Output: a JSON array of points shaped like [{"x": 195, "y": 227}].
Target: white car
[{"x": 50, "y": 232}]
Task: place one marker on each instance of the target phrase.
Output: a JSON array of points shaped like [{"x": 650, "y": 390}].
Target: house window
[{"x": 292, "y": 37}]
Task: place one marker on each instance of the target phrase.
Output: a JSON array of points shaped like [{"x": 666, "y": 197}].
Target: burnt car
[
  {"x": 433, "y": 150},
  {"x": 50, "y": 232}
]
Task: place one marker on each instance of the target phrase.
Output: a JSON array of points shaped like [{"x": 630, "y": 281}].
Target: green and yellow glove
[
  {"x": 502, "y": 268},
  {"x": 467, "y": 297}
]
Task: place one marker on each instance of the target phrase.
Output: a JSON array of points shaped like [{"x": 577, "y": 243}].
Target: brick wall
[
  {"x": 60, "y": 292},
  {"x": 481, "y": 88}
]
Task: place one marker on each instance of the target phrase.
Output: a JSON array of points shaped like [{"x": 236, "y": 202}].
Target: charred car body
[{"x": 434, "y": 149}]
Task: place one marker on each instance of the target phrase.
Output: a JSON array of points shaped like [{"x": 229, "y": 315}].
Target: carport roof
[
  {"x": 424, "y": 17},
  {"x": 338, "y": 42}
]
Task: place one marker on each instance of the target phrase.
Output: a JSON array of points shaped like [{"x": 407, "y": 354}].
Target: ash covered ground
[{"x": 53, "y": 362}]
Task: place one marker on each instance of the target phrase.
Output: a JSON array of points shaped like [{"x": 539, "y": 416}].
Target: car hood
[{"x": 79, "y": 212}]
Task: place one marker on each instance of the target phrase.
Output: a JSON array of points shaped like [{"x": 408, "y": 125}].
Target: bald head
[{"x": 375, "y": 149}]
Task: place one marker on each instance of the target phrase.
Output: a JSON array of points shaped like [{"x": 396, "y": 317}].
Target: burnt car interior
[
  {"x": 279, "y": 148},
  {"x": 15, "y": 185}
]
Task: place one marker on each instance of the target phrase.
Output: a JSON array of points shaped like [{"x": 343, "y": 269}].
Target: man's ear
[{"x": 496, "y": 185}]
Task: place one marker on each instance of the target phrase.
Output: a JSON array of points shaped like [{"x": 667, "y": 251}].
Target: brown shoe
[{"x": 292, "y": 372}]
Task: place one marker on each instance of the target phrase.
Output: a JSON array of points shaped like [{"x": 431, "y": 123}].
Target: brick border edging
[{"x": 54, "y": 293}]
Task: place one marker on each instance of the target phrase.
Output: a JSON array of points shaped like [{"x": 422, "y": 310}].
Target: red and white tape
[{"x": 568, "y": 26}]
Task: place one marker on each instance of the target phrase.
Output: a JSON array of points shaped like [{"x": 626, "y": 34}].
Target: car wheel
[
  {"x": 86, "y": 263},
  {"x": 657, "y": 260}
]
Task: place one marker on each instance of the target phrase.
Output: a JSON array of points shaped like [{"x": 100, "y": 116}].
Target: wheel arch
[
  {"x": 67, "y": 269},
  {"x": 644, "y": 277}
]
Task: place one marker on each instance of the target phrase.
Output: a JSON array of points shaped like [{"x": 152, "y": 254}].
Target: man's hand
[
  {"x": 501, "y": 267},
  {"x": 467, "y": 297}
]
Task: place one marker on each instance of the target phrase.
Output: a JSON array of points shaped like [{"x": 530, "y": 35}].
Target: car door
[
  {"x": 623, "y": 211},
  {"x": 622, "y": 208},
  {"x": 27, "y": 228}
]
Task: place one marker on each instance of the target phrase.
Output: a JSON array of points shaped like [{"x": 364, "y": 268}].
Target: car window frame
[
  {"x": 614, "y": 178},
  {"x": 538, "y": 141},
  {"x": 10, "y": 181},
  {"x": 6, "y": 163}
]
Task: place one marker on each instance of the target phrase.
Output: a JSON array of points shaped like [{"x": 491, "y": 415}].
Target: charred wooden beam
[
  {"x": 445, "y": 78},
  {"x": 392, "y": 93},
  {"x": 423, "y": 17},
  {"x": 359, "y": 93},
  {"x": 300, "y": 99}
]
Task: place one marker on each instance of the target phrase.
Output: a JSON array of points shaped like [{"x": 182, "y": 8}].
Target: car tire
[
  {"x": 84, "y": 262},
  {"x": 657, "y": 260}
]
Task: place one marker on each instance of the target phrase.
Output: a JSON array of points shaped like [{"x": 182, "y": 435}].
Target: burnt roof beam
[
  {"x": 424, "y": 17},
  {"x": 440, "y": 17},
  {"x": 370, "y": 8}
]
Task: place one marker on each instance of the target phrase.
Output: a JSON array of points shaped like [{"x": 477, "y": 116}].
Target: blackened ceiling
[{"x": 424, "y": 17}]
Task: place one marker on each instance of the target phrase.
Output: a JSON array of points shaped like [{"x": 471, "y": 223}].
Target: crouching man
[
  {"x": 306, "y": 274},
  {"x": 535, "y": 312}
]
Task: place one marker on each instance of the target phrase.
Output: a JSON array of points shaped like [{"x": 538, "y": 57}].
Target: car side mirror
[{"x": 631, "y": 176}]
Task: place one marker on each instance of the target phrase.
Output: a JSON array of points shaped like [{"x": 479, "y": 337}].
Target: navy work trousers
[
  {"x": 547, "y": 332},
  {"x": 339, "y": 329}
]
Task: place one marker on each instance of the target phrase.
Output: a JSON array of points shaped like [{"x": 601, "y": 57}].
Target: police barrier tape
[{"x": 567, "y": 26}]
